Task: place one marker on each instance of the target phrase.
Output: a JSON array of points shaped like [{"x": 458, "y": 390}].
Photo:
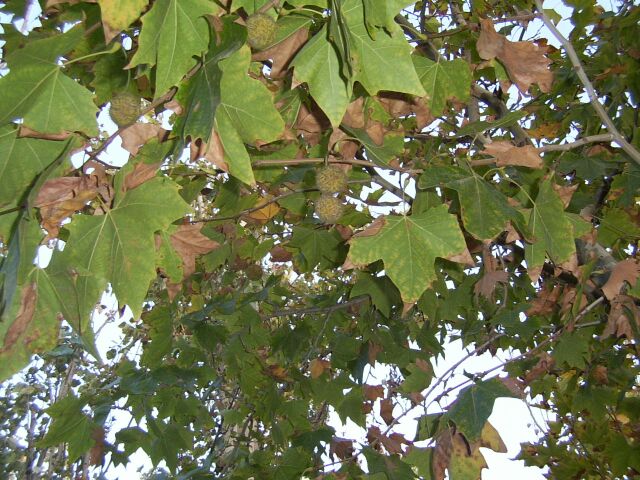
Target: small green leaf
[
  {"x": 474, "y": 406},
  {"x": 69, "y": 425}
]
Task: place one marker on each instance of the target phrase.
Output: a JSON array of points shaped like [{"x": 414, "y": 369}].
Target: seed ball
[
  {"x": 261, "y": 30},
  {"x": 126, "y": 108},
  {"x": 329, "y": 209},
  {"x": 331, "y": 179}
]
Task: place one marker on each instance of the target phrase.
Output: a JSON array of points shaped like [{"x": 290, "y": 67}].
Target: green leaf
[
  {"x": 381, "y": 14},
  {"x": 382, "y": 292},
  {"x": 201, "y": 95},
  {"x": 485, "y": 211},
  {"x": 47, "y": 100},
  {"x": 69, "y": 425},
  {"x": 474, "y": 128},
  {"x": 572, "y": 349},
  {"x": 616, "y": 224},
  {"x": 474, "y": 406},
  {"x": 551, "y": 229},
  {"x": 173, "y": 32},
  {"x": 384, "y": 63},
  {"x": 45, "y": 51},
  {"x": 443, "y": 80},
  {"x": 408, "y": 246},
  {"x": 318, "y": 64},
  {"x": 119, "y": 246},
  {"x": 391, "y": 465},
  {"x": 339, "y": 36},
  {"x": 246, "y": 114},
  {"x": 392, "y": 148},
  {"x": 317, "y": 247},
  {"x": 420, "y": 458}
]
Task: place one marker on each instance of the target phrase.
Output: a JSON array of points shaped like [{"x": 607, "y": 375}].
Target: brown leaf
[
  {"x": 392, "y": 443},
  {"x": 386, "y": 410},
  {"x": 525, "y": 61},
  {"x": 546, "y": 302},
  {"x": 506, "y": 153},
  {"x": 487, "y": 284},
  {"x": 214, "y": 152},
  {"x": 442, "y": 454},
  {"x": 341, "y": 448},
  {"x": 545, "y": 365},
  {"x": 372, "y": 229},
  {"x": 23, "y": 319},
  {"x": 565, "y": 192},
  {"x": 138, "y": 134},
  {"x": 280, "y": 254},
  {"x": 282, "y": 53},
  {"x": 399, "y": 105},
  {"x": 318, "y": 366},
  {"x": 96, "y": 454},
  {"x": 188, "y": 242},
  {"x": 373, "y": 392},
  {"x": 311, "y": 123},
  {"x": 373, "y": 351},
  {"x": 624, "y": 318},
  {"x": 625, "y": 271},
  {"x": 515, "y": 386},
  {"x": 277, "y": 372},
  {"x": 60, "y": 197},
  {"x": 141, "y": 173},
  {"x": 354, "y": 116},
  {"x": 26, "y": 132}
]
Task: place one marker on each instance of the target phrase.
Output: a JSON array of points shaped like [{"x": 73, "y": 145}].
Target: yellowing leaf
[
  {"x": 265, "y": 213},
  {"x": 119, "y": 14},
  {"x": 408, "y": 246}
]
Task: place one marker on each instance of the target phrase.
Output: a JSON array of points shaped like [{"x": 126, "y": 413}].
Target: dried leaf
[
  {"x": 138, "y": 134},
  {"x": 374, "y": 350},
  {"x": 311, "y": 123},
  {"x": 318, "y": 366},
  {"x": 142, "y": 172},
  {"x": 188, "y": 242},
  {"x": 23, "y": 319},
  {"x": 546, "y": 302},
  {"x": 525, "y": 61},
  {"x": 280, "y": 254},
  {"x": 625, "y": 271},
  {"x": 264, "y": 214},
  {"x": 624, "y": 318},
  {"x": 392, "y": 443},
  {"x": 96, "y": 454},
  {"x": 386, "y": 410},
  {"x": 341, "y": 448},
  {"x": 544, "y": 365},
  {"x": 506, "y": 153},
  {"x": 373, "y": 392},
  {"x": 214, "y": 152},
  {"x": 282, "y": 53}
]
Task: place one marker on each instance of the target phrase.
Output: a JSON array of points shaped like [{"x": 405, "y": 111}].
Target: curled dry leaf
[
  {"x": 138, "y": 134},
  {"x": 341, "y": 448},
  {"x": 60, "y": 197},
  {"x": 488, "y": 282},
  {"x": 311, "y": 123},
  {"x": 283, "y": 52},
  {"x": 624, "y": 318},
  {"x": 373, "y": 392},
  {"x": 625, "y": 271},
  {"x": 318, "y": 366},
  {"x": 392, "y": 443},
  {"x": 506, "y": 153},
  {"x": 525, "y": 61},
  {"x": 545, "y": 365},
  {"x": 214, "y": 152},
  {"x": 189, "y": 242},
  {"x": 386, "y": 410},
  {"x": 23, "y": 319},
  {"x": 141, "y": 173}
]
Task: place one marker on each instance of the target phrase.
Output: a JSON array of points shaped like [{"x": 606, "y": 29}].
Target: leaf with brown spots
[{"x": 525, "y": 61}]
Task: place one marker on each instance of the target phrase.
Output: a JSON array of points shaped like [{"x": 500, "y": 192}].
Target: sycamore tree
[{"x": 314, "y": 188}]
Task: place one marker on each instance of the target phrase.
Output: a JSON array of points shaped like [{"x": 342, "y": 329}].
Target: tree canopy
[{"x": 316, "y": 189}]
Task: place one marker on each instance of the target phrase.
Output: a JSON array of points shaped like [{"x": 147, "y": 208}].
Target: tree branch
[{"x": 588, "y": 86}]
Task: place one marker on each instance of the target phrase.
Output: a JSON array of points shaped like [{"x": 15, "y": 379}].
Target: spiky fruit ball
[
  {"x": 329, "y": 208},
  {"x": 126, "y": 108},
  {"x": 261, "y": 30},
  {"x": 331, "y": 179}
]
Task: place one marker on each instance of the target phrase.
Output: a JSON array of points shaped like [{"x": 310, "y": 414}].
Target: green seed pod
[
  {"x": 329, "y": 209},
  {"x": 261, "y": 29},
  {"x": 125, "y": 109}
]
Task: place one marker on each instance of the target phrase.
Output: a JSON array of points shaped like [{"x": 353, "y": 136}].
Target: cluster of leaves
[{"x": 514, "y": 228}]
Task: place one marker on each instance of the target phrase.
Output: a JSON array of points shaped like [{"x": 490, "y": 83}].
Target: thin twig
[
  {"x": 588, "y": 86},
  {"x": 316, "y": 310}
]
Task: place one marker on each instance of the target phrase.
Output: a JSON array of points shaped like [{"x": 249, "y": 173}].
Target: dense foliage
[{"x": 491, "y": 197}]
